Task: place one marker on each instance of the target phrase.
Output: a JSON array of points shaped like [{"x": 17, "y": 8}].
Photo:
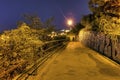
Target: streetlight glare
[{"x": 70, "y": 22}]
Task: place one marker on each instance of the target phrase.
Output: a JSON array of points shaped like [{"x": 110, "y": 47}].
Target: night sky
[{"x": 12, "y": 11}]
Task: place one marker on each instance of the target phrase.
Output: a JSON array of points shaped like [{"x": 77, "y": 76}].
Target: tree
[
  {"x": 87, "y": 21},
  {"x": 96, "y": 6},
  {"x": 33, "y": 21},
  {"x": 112, "y": 7},
  {"x": 49, "y": 25},
  {"x": 77, "y": 28},
  {"x": 105, "y": 16},
  {"x": 20, "y": 23},
  {"x": 21, "y": 43}
]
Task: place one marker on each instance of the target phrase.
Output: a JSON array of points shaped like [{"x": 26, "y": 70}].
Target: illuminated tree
[
  {"x": 109, "y": 22},
  {"x": 105, "y": 17},
  {"x": 112, "y": 7},
  {"x": 21, "y": 43}
]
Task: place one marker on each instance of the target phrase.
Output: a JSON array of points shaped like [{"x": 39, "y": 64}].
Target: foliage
[
  {"x": 86, "y": 21},
  {"x": 49, "y": 25},
  {"x": 21, "y": 43},
  {"x": 25, "y": 41},
  {"x": 96, "y": 6},
  {"x": 105, "y": 17},
  {"x": 25, "y": 44},
  {"x": 42, "y": 28},
  {"x": 77, "y": 28},
  {"x": 112, "y": 7},
  {"x": 33, "y": 21},
  {"x": 105, "y": 6}
]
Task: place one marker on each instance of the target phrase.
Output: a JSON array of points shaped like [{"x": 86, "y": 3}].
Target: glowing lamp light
[{"x": 70, "y": 22}]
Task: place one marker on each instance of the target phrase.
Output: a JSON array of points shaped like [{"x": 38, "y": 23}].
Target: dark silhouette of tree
[
  {"x": 19, "y": 24},
  {"x": 33, "y": 21},
  {"x": 49, "y": 25},
  {"x": 77, "y": 28}
]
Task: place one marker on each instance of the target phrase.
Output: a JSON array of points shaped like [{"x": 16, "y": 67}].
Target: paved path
[{"x": 77, "y": 62}]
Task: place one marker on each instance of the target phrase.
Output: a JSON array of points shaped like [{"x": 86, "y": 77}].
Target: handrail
[
  {"x": 54, "y": 41},
  {"x": 36, "y": 64}
]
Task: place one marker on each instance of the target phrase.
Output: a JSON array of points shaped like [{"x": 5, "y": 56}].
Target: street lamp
[{"x": 70, "y": 23}]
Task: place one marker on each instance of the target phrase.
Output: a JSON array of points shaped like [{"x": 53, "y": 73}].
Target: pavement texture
[{"x": 77, "y": 62}]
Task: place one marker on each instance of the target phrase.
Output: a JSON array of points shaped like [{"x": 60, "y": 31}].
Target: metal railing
[{"x": 32, "y": 70}]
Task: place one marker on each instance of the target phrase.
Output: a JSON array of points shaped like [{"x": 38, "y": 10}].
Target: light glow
[{"x": 70, "y": 22}]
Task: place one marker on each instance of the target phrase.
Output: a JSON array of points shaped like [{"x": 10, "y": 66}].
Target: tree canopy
[
  {"x": 77, "y": 28},
  {"x": 105, "y": 17}
]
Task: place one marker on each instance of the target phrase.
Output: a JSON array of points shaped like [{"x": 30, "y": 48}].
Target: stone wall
[{"x": 101, "y": 43}]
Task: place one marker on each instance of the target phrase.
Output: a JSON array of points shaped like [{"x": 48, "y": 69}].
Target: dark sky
[{"x": 11, "y": 11}]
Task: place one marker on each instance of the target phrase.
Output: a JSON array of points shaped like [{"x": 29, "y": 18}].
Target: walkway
[{"x": 77, "y": 62}]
